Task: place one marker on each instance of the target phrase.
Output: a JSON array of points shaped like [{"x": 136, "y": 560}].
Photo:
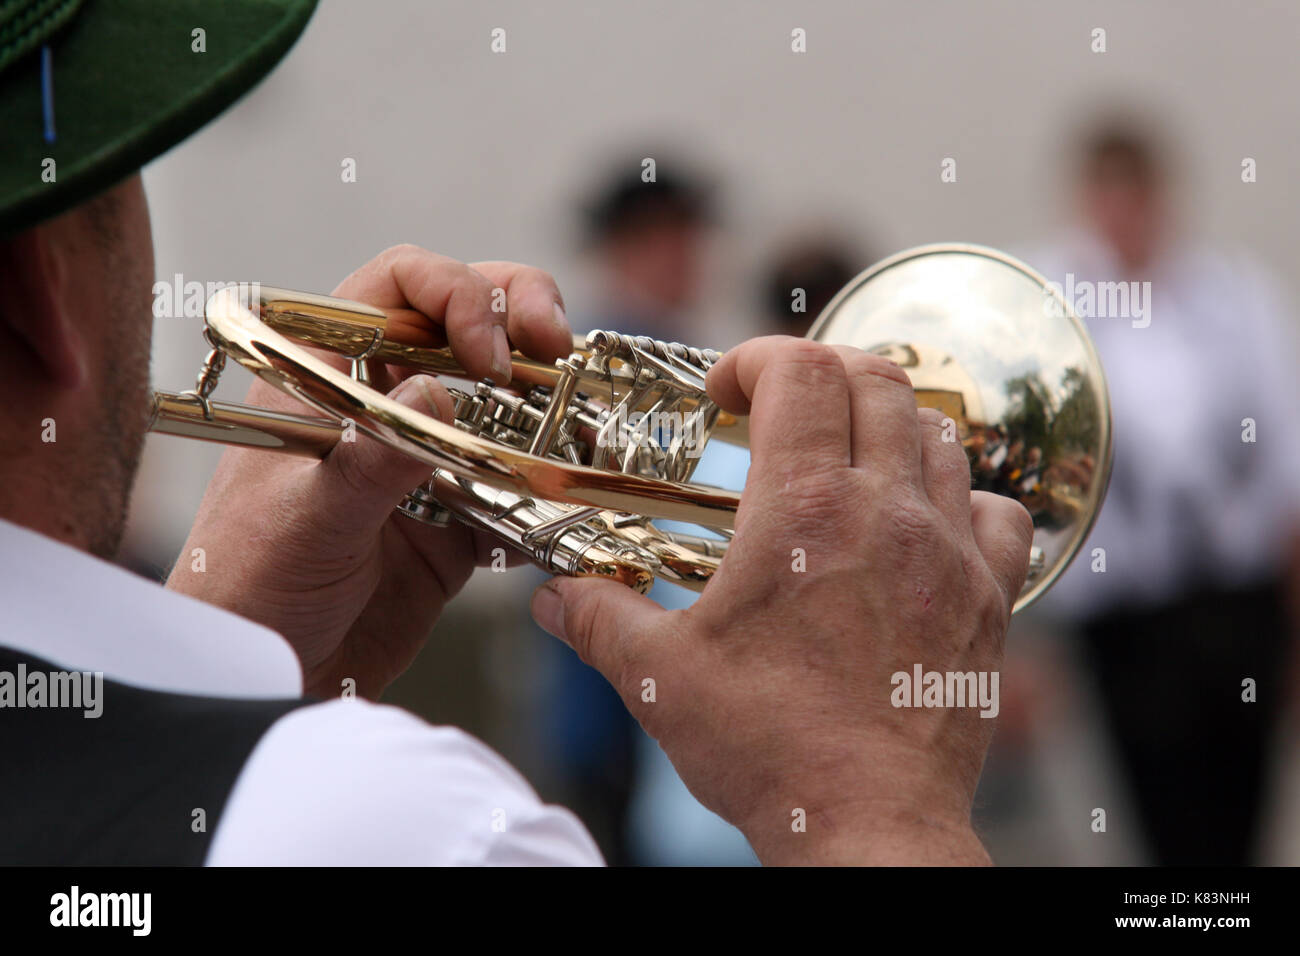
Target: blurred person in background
[
  {"x": 1201, "y": 515},
  {"x": 668, "y": 826},
  {"x": 802, "y": 277},
  {"x": 647, "y": 241}
]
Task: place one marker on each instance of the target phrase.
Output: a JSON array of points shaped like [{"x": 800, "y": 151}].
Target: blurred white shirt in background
[{"x": 1189, "y": 500}]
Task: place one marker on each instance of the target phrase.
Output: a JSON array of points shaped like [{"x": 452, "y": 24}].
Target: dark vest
[{"x": 121, "y": 788}]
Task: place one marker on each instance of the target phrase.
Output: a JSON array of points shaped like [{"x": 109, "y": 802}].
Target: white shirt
[
  {"x": 1189, "y": 499},
  {"x": 344, "y": 782}
]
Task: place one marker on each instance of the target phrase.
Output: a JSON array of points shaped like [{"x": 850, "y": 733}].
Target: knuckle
[
  {"x": 1008, "y": 548},
  {"x": 992, "y": 602},
  {"x": 351, "y": 471},
  {"x": 938, "y": 429},
  {"x": 1024, "y": 522},
  {"x": 823, "y": 498},
  {"x": 532, "y": 275},
  {"x": 474, "y": 290},
  {"x": 944, "y": 454},
  {"x": 810, "y": 362},
  {"x": 931, "y": 417},
  {"x": 1006, "y": 513},
  {"x": 484, "y": 289},
  {"x": 401, "y": 251},
  {"x": 911, "y": 524},
  {"x": 1016, "y": 518},
  {"x": 879, "y": 367},
  {"x": 470, "y": 278}
]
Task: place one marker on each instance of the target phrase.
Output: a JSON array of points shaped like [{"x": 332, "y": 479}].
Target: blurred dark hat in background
[{"x": 625, "y": 202}]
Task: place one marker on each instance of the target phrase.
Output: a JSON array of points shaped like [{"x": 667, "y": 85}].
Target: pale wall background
[{"x": 482, "y": 155}]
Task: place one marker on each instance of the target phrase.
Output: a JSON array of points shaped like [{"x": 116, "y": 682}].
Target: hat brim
[{"x": 128, "y": 85}]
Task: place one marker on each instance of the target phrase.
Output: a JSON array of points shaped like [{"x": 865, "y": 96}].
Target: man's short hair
[
  {"x": 624, "y": 203},
  {"x": 1119, "y": 151}
]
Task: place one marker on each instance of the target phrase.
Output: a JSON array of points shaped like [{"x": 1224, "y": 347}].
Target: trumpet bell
[{"x": 994, "y": 347}]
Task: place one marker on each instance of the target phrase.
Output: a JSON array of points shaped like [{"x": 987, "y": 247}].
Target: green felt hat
[{"x": 116, "y": 83}]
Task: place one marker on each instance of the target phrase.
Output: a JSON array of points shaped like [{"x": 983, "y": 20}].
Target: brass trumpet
[{"x": 573, "y": 462}]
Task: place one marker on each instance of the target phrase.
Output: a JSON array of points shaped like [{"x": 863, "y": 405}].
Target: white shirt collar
[{"x": 72, "y": 609}]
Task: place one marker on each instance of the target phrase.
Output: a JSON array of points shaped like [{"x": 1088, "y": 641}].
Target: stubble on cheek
[{"x": 120, "y": 221}]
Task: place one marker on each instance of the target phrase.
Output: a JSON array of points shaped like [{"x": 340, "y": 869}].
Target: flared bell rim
[{"x": 1034, "y": 589}]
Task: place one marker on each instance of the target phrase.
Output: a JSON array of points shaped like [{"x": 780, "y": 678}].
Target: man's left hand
[{"x": 314, "y": 550}]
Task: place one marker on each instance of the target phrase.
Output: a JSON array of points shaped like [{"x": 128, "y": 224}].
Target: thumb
[
  {"x": 599, "y": 619},
  {"x": 362, "y": 480}
]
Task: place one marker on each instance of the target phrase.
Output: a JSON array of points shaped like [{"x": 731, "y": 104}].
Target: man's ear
[{"x": 35, "y": 305}]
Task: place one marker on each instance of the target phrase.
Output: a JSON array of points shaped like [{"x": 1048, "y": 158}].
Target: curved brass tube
[{"x": 252, "y": 325}]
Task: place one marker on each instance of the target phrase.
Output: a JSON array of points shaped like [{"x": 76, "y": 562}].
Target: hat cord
[{"x": 47, "y": 91}]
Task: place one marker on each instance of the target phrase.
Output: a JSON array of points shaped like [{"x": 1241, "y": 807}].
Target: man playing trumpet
[{"x": 223, "y": 738}]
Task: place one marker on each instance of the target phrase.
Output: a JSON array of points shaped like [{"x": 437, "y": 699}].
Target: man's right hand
[{"x": 860, "y": 551}]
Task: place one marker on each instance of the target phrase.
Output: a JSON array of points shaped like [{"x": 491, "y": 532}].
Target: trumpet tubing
[{"x": 573, "y": 462}]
